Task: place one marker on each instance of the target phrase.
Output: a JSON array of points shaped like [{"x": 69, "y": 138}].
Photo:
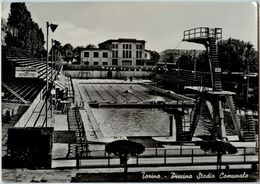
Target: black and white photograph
[{"x": 129, "y": 91}]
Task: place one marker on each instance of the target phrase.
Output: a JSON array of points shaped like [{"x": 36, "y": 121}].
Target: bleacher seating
[
  {"x": 33, "y": 62},
  {"x": 17, "y": 90}
]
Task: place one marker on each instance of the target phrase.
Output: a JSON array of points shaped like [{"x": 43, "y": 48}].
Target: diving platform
[
  {"x": 209, "y": 90},
  {"x": 202, "y": 34},
  {"x": 176, "y": 104},
  {"x": 211, "y": 98}
]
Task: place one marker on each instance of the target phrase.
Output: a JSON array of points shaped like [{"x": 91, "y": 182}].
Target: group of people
[
  {"x": 60, "y": 100},
  {"x": 7, "y": 113}
]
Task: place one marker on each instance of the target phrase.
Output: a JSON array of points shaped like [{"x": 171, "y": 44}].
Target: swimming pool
[{"x": 132, "y": 122}]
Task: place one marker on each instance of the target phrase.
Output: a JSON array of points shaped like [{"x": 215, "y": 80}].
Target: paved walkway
[
  {"x": 94, "y": 133},
  {"x": 60, "y": 150},
  {"x": 28, "y": 176}
]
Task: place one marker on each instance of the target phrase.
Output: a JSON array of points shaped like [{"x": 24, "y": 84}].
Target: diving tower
[{"x": 211, "y": 97}]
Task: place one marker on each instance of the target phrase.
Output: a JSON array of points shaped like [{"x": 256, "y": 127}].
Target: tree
[
  {"x": 76, "y": 52},
  {"x": 236, "y": 55},
  {"x": 185, "y": 62},
  {"x": 67, "y": 52},
  {"x": 218, "y": 146},
  {"x": 124, "y": 149},
  {"x": 202, "y": 62},
  {"x": 91, "y": 46},
  {"x": 55, "y": 49},
  {"x": 155, "y": 56},
  {"x": 23, "y": 32}
]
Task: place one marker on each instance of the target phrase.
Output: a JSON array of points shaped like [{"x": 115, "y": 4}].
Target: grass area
[{"x": 170, "y": 176}]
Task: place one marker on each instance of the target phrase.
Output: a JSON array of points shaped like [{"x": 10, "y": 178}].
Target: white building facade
[
  {"x": 97, "y": 57},
  {"x": 117, "y": 52}
]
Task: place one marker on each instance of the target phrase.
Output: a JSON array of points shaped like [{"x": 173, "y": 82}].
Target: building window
[
  {"x": 86, "y": 54},
  {"x": 138, "y": 54},
  {"x": 127, "y": 46},
  {"x": 105, "y": 63},
  {"x": 139, "y": 46},
  {"x": 139, "y": 62},
  {"x": 127, "y": 53},
  {"x": 114, "y": 62},
  {"x": 114, "y": 46},
  {"x": 96, "y": 54},
  {"x": 145, "y": 55},
  {"x": 115, "y": 54},
  {"x": 95, "y": 63},
  {"x": 105, "y": 54},
  {"x": 86, "y": 63},
  {"x": 127, "y": 62}
]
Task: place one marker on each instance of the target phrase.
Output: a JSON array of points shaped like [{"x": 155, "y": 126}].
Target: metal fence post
[
  {"x": 165, "y": 157},
  {"x": 77, "y": 157},
  {"x": 137, "y": 161},
  {"x": 244, "y": 154},
  {"x": 108, "y": 160},
  {"x": 156, "y": 151},
  {"x": 181, "y": 150},
  {"x": 192, "y": 156}
]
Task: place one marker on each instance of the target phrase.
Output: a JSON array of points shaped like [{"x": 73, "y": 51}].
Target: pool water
[{"x": 132, "y": 122}]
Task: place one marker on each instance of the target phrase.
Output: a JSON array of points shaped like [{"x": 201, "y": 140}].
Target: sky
[{"x": 161, "y": 24}]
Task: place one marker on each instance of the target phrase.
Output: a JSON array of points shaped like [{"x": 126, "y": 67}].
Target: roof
[
  {"x": 95, "y": 49},
  {"x": 122, "y": 40}
]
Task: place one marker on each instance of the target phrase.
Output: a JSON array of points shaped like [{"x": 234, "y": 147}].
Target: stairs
[
  {"x": 181, "y": 134},
  {"x": 248, "y": 126},
  {"x": 196, "y": 114},
  {"x": 217, "y": 86},
  {"x": 76, "y": 124}
]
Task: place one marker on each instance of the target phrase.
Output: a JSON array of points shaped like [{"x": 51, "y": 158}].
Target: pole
[
  {"x": 51, "y": 71},
  {"x": 51, "y": 60},
  {"x": 194, "y": 67},
  {"x": 55, "y": 59},
  {"x": 47, "y": 88}
]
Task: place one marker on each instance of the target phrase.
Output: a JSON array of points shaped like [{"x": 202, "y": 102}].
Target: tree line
[
  {"x": 234, "y": 56},
  {"x": 22, "y": 33}
]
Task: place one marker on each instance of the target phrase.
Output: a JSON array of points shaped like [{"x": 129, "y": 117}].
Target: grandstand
[
  {"x": 23, "y": 90},
  {"x": 24, "y": 96}
]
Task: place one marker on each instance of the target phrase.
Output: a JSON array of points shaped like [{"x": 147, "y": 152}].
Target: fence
[
  {"x": 181, "y": 151},
  {"x": 72, "y": 90},
  {"x": 163, "y": 157}
]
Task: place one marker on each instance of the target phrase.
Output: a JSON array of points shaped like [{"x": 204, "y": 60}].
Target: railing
[
  {"x": 73, "y": 90},
  {"x": 163, "y": 157},
  {"x": 181, "y": 151},
  {"x": 203, "y": 32}
]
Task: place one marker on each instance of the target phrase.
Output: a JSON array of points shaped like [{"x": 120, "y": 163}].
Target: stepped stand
[{"x": 212, "y": 96}]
